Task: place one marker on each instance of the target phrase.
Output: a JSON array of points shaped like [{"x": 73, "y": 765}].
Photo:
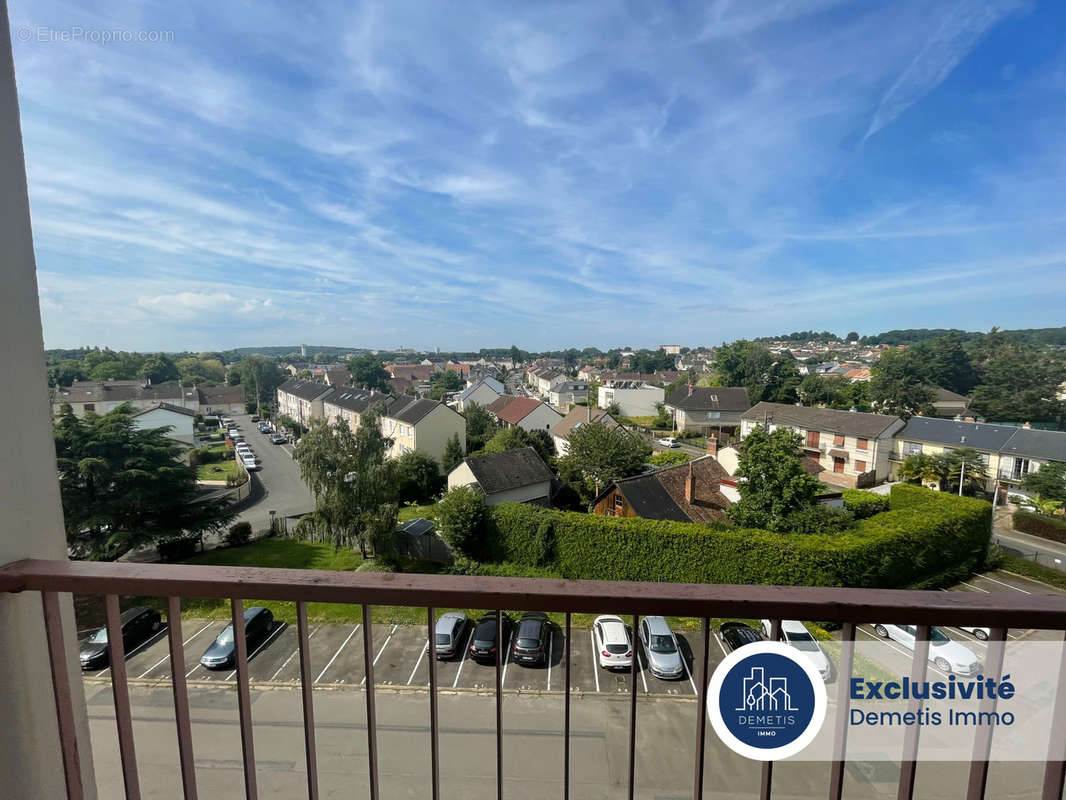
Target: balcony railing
[{"x": 846, "y": 606}]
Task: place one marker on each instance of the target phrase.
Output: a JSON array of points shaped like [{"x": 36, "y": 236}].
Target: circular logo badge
[{"x": 766, "y": 701}]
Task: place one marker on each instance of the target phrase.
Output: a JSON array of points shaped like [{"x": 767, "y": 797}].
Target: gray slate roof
[
  {"x": 188, "y": 412},
  {"x": 304, "y": 389},
  {"x": 724, "y": 398},
  {"x": 957, "y": 434},
  {"x": 491, "y": 382},
  {"x": 355, "y": 399},
  {"x": 1032, "y": 443},
  {"x": 412, "y": 413},
  {"x": 849, "y": 423},
  {"x": 499, "y": 472}
]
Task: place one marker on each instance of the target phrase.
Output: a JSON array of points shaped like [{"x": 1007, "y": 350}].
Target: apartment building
[
  {"x": 302, "y": 400},
  {"x": 634, "y": 399}
]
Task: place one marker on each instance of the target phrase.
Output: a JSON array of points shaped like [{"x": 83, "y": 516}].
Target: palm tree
[
  {"x": 922, "y": 468},
  {"x": 975, "y": 472}
]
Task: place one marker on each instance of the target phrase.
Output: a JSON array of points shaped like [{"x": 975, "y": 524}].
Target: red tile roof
[{"x": 514, "y": 411}]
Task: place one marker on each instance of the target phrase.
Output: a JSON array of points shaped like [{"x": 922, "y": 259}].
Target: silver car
[
  {"x": 449, "y": 630},
  {"x": 660, "y": 646}
]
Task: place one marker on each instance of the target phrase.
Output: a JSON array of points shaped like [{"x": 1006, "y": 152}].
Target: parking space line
[
  {"x": 1009, "y": 634},
  {"x": 462, "y": 660},
  {"x": 293, "y": 653},
  {"x": 718, "y": 639},
  {"x": 142, "y": 646},
  {"x": 350, "y": 635},
  {"x": 167, "y": 657},
  {"x": 507, "y": 658},
  {"x": 684, "y": 663},
  {"x": 1001, "y": 583},
  {"x": 551, "y": 641},
  {"x": 382, "y": 650},
  {"x": 418, "y": 663},
  {"x": 255, "y": 652},
  {"x": 595, "y": 661},
  {"x": 910, "y": 654},
  {"x": 978, "y": 588},
  {"x": 636, "y": 654}
]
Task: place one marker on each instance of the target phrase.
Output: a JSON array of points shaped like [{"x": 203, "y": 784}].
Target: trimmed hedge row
[
  {"x": 925, "y": 534},
  {"x": 864, "y": 504},
  {"x": 1042, "y": 525}
]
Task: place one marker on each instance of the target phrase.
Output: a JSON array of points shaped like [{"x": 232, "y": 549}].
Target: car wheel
[
  {"x": 982, "y": 635},
  {"x": 942, "y": 664},
  {"x": 881, "y": 631}
]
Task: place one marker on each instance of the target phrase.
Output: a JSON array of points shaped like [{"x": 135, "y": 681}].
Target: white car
[
  {"x": 249, "y": 463},
  {"x": 795, "y": 634},
  {"x": 945, "y": 654},
  {"x": 614, "y": 648},
  {"x": 977, "y": 633},
  {"x": 668, "y": 441}
]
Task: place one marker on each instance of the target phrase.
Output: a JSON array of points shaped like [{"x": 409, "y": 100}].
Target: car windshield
[
  {"x": 226, "y": 637},
  {"x": 802, "y": 641},
  {"x": 443, "y": 638},
  {"x": 617, "y": 649},
  {"x": 100, "y": 637},
  {"x": 937, "y": 638},
  {"x": 661, "y": 643}
]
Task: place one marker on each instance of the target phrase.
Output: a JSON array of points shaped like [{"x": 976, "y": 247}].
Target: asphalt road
[{"x": 286, "y": 493}]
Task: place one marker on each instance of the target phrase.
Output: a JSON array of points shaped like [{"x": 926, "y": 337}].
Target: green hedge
[
  {"x": 926, "y": 535},
  {"x": 864, "y": 504},
  {"x": 1042, "y": 525}
]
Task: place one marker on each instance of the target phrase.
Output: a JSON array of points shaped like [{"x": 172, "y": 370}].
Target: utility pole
[{"x": 962, "y": 476}]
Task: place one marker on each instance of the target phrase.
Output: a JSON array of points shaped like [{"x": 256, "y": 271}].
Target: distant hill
[{"x": 1034, "y": 336}]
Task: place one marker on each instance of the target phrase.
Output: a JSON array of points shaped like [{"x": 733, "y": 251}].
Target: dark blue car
[{"x": 222, "y": 653}]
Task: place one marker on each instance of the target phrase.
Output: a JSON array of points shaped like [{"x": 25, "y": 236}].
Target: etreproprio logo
[{"x": 766, "y": 701}]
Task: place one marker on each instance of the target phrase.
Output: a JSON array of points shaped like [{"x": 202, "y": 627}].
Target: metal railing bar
[
  {"x": 909, "y": 761},
  {"x": 457, "y": 591},
  {"x": 120, "y": 691},
  {"x": 982, "y": 741},
  {"x": 767, "y": 782},
  {"x": 244, "y": 698},
  {"x": 307, "y": 696},
  {"x": 701, "y": 711},
  {"x": 634, "y": 664},
  {"x": 499, "y": 705},
  {"x": 840, "y": 733},
  {"x": 68, "y": 734},
  {"x": 1055, "y": 766},
  {"x": 181, "y": 698},
  {"x": 371, "y": 710},
  {"x": 566, "y": 715},
  {"x": 434, "y": 724}
]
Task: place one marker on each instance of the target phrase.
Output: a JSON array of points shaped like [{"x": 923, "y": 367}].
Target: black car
[
  {"x": 138, "y": 624},
  {"x": 483, "y": 645},
  {"x": 737, "y": 634},
  {"x": 534, "y": 637},
  {"x": 222, "y": 653}
]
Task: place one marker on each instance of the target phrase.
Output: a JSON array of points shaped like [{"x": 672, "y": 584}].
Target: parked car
[
  {"x": 660, "y": 646},
  {"x": 138, "y": 624},
  {"x": 249, "y": 463},
  {"x": 945, "y": 654},
  {"x": 979, "y": 633},
  {"x": 448, "y": 632},
  {"x": 737, "y": 634},
  {"x": 278, "y": 438},
  {"x": 483, "y": 646},
  {"x": 668, "y": 441},
  {"x": 264, "y": 428},
  {"x": 613, "y": 644},
  {"x": 222, "y": 653},
  {"x": 227, "y": 422},
  {"x": 533, "y": 640},
  {"x": 255, "y": 418},
  {"x": 795, "y": 634}
]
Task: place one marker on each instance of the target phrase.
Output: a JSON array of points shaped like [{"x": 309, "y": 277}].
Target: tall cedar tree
[
  {"x": 599, "y": 456},
  {"x": 776, "y": 483},
  {"x": 453, "y": 453},
  {"x": 123, "y": 487}
]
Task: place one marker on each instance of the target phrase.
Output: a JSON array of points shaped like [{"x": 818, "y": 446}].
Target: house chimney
[
  {"x": 690, "y": 388},
  {"x": 1027, "y": 426},
  {"x": 690, "y": 485},
  {"x": 712, "y": 445}
]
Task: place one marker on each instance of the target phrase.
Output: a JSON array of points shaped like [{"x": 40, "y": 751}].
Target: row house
[
  {"x": 424, "y": 426},
  {"x": 543, "y": 379},
  {"x": 348, "y": 404},
  {"x": 853, "y": 447},
  {"x": 101, "y": 397},
  {"x": 524, "y": 412},
  {"x": 567, "y": 393},
  {"x": 483, "y": 392},
  {"x": 707, "y": 409},
  {"x": 301, "y": 400}
]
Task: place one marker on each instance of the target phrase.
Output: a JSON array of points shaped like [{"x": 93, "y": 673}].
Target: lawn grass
[
  {"x": 414, "y": 512},
  {"x": 218, "y": 471}
]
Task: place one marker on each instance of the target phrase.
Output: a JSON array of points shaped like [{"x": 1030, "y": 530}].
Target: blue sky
[{"x": 477, "y": 174}]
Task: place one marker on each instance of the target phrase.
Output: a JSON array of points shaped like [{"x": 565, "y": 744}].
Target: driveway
[{"x": 285, "y": 491}]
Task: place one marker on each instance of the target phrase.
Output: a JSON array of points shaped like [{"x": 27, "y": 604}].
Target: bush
[
  {"x": 928, "y": 536},
  {"x": 864, "y": 504},
  {"x": 669, "y": 458},
  {"x": 239, "y": 533},
  {"x": 1042, "y": 525},
  {"x": 818, "y": 519},
  {"x": 418, "y": 478},
  {"x": 177, "y": 549},
  {"x": 461, "y": 520}
]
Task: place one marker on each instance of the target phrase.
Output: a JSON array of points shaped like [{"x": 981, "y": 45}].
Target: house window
[
  {"x": 912, "y": 449},
  {"x": 619, "y": 506},
  {"x": 89, "y": 407},
  {"x": 860, "y": 466},
  {"x": 714, "y": 415},
  {"x": 838, "y": 440},
  {"x": 838, "y": 465},
  {"x": 862, "y": 444},
  {"x": 812, "y": 439}
]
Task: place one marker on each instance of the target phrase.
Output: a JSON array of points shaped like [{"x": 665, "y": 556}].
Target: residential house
[
  {"x": 460, "y": 369},
  {"x": 525, "y": 412},
  {"x": 301, "y": 400},
  {"x": 181, "y": 421},
  {"x": 949, "y": 404},
  {"x": 516, "y": 476},
  {"x": 685, "y": 493},
  {"x": 349, "y": 403},
  {"x": 578, "y": 416},
  {"x": 634, "y": 399},
  {"x": 546, "y": 379},
  {"x": 1026, "y": 451},
  {"x": 221, "y": 399},
  {"x": 103, "y": 396},
  {"x": 933, "y": 437},
  {"x": 482, "y": 393},
  {"x": 854, "y": 447},
  {"x": 707, "y": 409},
  {"x": 337, "y": 376},
  {"x": 856, "y": 374},
  {"x": 411, "y": 372},
  {"x": 423, "y": 425},
  {"x": 567, "y": 393},
  {"x": 729, "y": 458},
  {"x": 671, "y": 349}
]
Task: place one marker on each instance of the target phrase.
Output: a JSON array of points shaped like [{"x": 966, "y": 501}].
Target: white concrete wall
[
  {"x": 435, "y": 429},
  {"x": 632, "y": 402},
  {"x": 32, "y": 522},
  {"x": 483, "y": 395},
  {"x": 542, "y": 418},
  {"x": 181, "y": 424}
]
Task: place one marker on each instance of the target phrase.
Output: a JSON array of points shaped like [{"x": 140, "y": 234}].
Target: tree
[
  {"x": 766, "y": 376},
  {"x": 453, "y": 454},
  {"x": 947, "y": 364},
  {"x": 614, "y": 410},
  {"x": 418, "y": 478},
  {"x": 479, "y": 427},
  {"x": 776, "y": 484},
  {"x": 967, "y": 464},
  {"x": 1019, "y": 384},
  {"x": 600, "y": 455},
  {"x": 461, "y": 520},
  {"x": 516, "y": 438},
  {"x": 65, "y": 372},
  {"x": 123, "y": 487},
  {"x": 662, "y": 418},
  {"x": 160, "y": 368},
  {"x": 923, "y": 468},
  {"x": 1049, "y": 481},
  {"x": 260, "y": 377},
  {"x": 853, "y": 336},
  {"x": 440, "y": 383},
  {"x": 516, "y": 355},
  {"x": 369, "y": 373},
  {"x": 195, "y": 370},
  {"x": 898, "y": 384}
]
